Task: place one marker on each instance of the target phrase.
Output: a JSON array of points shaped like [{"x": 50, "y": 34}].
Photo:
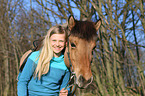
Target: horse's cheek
[{"x": 74, "y": 57}]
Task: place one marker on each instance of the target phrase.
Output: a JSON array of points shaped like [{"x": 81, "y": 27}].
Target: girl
[{"x": 45, "y": 73}]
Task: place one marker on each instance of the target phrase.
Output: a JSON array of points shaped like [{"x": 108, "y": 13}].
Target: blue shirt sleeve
[
  {"x": 24, "y": 78},
  {"x": 65, "y": 80}
]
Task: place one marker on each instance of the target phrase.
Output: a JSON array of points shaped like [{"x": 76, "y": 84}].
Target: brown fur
[{"x": 84, "y": 30}]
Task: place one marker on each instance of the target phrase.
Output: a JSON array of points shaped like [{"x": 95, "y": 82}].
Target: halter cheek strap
[
  {"x": 73, "y": 75},
  {"x": 68, "y": 54}
]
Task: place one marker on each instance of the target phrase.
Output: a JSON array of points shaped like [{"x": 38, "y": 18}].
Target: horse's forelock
[{"x": 84, "y": 30}]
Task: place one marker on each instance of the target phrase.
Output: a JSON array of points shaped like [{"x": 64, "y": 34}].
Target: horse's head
[{"x": 82, "y": 40}]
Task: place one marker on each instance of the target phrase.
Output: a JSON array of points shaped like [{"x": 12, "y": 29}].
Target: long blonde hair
[{"x": 46, "y": 53}]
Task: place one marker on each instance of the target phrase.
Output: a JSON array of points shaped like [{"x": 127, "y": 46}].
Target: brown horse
[{"x": 81, "y": 42}]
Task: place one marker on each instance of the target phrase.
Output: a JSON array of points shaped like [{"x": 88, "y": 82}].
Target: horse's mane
[{"x": 84, "y": 30}]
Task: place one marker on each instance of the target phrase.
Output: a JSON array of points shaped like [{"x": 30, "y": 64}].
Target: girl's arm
[
  {"x": 25, "y": 77},
  {"x": 65, "y": 82}
]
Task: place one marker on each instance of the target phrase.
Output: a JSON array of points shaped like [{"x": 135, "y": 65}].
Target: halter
[{"x": 73, "y": 75}]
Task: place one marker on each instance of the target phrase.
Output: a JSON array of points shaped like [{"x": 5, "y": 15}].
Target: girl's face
[{"x": 57, "y": 42}]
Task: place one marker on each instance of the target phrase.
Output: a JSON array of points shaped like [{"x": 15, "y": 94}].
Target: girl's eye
[
  {"x": 73, "y": 45},
  {"x": 61, "y": 41},
  {"x": 53, "y": 40}
]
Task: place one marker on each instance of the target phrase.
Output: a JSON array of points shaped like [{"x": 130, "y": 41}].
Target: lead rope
[
  {"x": 72, "y": 76},
  {"x": 72, "y": 73}
]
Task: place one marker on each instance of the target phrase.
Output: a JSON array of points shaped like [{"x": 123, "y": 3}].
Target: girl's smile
[{"x": 57, "y": 42}]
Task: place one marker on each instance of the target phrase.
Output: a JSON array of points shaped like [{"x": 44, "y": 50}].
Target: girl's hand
[{"x": 63, "y": 92}]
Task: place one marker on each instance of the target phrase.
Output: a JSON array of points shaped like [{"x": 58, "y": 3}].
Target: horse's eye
[
  {"x": 73, "y": 45},
  {"x": 94, "y": 48}
]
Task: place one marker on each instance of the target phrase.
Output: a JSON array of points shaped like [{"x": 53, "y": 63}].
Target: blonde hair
[{"x": 46, "y": 53}]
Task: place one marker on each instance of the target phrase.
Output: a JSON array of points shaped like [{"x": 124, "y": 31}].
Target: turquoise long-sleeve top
[{"x": 50, "y": 84}]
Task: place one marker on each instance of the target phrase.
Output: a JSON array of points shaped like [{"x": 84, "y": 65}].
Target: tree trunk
[{"x": 6, "y": 65}]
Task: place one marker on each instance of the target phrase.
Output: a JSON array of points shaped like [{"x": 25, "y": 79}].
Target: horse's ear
[
  {"x": 97, "y": 24},
  {"x": 71, "y": 22}
]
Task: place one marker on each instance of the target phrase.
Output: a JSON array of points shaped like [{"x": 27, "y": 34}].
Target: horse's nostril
[
  {"x": 83, "y": 83},
  {"x": 81, "y": 78},
  {"x": 90, "y": 80}
]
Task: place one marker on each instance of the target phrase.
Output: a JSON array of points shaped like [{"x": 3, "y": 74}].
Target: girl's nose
[{"x": 57, "y": 43}]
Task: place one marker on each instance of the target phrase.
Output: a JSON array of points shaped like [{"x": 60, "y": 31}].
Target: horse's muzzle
[{"x": 82, "y": 82}]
